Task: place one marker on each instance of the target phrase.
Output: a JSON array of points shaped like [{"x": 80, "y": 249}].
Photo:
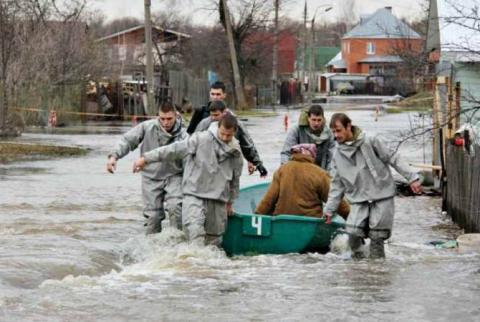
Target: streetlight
[{"x": 312, "y": 32}]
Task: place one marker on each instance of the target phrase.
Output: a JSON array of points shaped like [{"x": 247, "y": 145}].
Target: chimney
[{"x": 389, "y": 8}]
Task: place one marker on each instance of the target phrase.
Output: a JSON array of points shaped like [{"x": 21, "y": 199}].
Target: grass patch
[
  {"x": 241, "y": 114},
  {"x": 255, "y": 112},
  {"x": 420, "y": 102},
  {"x": 395, "y": 109},
  {"x": 11, "y": 151}
]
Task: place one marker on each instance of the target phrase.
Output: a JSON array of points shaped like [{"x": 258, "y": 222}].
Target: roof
[
  {"x": 345, "y": 77},
  {"x": 324, "y": 54},
  {"x": 382, "y": 24},
  {"x": 381, "y": 59},
  {"x": 337, "y": 61},
  {"x": 167, "y": 31},
  {"x": 460, "y": 57},
  {"x": 321, "y": 55}
]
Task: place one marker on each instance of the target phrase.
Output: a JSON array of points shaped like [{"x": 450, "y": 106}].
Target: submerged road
[{"x": 73, "y": 249}]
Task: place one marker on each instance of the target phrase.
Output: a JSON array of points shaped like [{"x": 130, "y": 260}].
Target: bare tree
[
  {"x": 247, "y": 18},
  {"x": 47, "y": 53},
  {"x": 348, "y": 12},
  {"x": 9, "y": 15}
]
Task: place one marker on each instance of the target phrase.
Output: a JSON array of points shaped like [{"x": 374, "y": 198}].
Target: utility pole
[
  {"x": 304, "y": 59},
  {"x": 312, "y": 56},
  {"x": 242, "y": 103},
  {"x": 310, "y": 65},
  {"x": 275, "y": 57},
  {"x": 149, "y": 67}
]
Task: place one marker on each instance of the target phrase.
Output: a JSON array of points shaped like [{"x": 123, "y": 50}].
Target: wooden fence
[
  {"x": 463, "y": 186},
  {"x": 184, "y": 86}
]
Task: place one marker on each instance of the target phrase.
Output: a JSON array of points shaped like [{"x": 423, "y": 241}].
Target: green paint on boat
[{"x": 251, "y": 234}]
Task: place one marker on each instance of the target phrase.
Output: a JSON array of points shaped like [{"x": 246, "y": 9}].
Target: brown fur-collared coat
[{"x": 299, "y": 187}]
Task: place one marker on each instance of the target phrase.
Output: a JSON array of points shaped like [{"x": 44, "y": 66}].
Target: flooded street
[{"x": 73, "y": 249}]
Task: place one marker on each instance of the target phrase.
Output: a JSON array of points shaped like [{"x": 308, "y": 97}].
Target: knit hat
[{"x": 305, "y": 148}]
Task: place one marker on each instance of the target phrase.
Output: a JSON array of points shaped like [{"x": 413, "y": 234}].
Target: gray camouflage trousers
[
  {"x": 160, "y": 197},
  {"x": 204, "y": 220},
  {"x": 370, "y": 219}
]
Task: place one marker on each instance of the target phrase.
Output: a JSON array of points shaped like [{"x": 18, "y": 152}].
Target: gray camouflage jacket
[
  {"x": 325, "y": 143},
  {"x": 150, "y": 135},
  {"x": 247, "y": 146},
  {"x": 212, "y": 167},
  {"x": 362, "y": 173}
]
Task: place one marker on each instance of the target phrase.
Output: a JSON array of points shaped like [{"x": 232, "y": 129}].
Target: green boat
[{"x": 251, "y": 234}]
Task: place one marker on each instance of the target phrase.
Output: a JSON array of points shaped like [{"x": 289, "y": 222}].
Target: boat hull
[{"x": 251, "y": 234}]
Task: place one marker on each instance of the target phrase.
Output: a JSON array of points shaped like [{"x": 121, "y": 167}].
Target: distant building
[
  {"x": 316, "y": 59},
  {"x": 260, "y": 44},
  {"x": 126, "y": 50},
  {"x": 375, "y": 48}
]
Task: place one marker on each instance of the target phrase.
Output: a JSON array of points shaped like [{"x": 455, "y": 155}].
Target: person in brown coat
[{"x": 299, "y": 187}]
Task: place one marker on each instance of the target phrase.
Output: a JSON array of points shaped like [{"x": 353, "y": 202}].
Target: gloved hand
[{"x": 262, "y": 170}]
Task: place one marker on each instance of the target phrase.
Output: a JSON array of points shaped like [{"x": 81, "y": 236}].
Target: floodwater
[{"x": 73, "y": 249}]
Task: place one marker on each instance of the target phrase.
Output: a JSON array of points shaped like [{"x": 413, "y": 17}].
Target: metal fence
[{"x": 463, "y": 186}]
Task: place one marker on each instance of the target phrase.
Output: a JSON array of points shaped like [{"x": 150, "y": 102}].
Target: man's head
[
  {"x": 227, "y": 126},
  {"x": 217, "y": 110},
  {"x": 217, "y": 92},
  {"x": 309, "y": 149},
  {"x": 316, "y": 120},
  {"x": 167, "y": 116},
  {"x": 341, "y": 126}
]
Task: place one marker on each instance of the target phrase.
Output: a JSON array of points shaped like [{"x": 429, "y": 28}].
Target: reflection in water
[{"x": 73, "y": 248}]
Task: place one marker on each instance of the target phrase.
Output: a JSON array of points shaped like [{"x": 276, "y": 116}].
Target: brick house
[{"x": 375, "y": 47}]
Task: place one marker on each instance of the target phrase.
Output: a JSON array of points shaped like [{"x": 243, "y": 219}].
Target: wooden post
[
  {"x": 458, "y": 93},
  {"x": 435, "y": 148},
  {"x": 150, "y": 110},
  {"x": 450, "y": 111},
  {"x": 242, "y": 103},
  {"x": 275, "y": 57}
]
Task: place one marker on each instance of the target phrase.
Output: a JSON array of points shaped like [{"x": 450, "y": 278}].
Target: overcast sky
[{"x": 112, "y": 9}]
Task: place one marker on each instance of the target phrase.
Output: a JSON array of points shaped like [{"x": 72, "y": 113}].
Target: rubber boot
[
  {"x": 377, "y": 248},
  {"x": 355, "y": 243},
  {"x": 153, "y": 224}
]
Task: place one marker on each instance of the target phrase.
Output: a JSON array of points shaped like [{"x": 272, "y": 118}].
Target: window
[
  {"x": 346, "y": 47},
  {"x": 370, "y": 48}
]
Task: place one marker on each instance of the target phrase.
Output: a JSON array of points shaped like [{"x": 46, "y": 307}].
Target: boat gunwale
[{"x": 289, "y": 217}]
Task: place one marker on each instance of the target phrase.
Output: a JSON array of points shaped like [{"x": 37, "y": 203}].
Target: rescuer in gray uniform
[
  {"x": 314, "y": 132},
  {"x": 211, "y": 178},
  {"x": 161, "y": 182},
  {"x": 362, "y": 174},
  {"x": 217, "y": 109}
]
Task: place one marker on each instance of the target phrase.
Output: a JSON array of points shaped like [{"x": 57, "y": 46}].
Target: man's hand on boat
[
  {"x": 251, "y": 168},
  {"x": 139, "y": 164},
  {"x": 112, "y": 164},
  {"x": 229, "y": 208},
  {"x": 416, "y": 187},
  {"x": 328, "y": 218}
]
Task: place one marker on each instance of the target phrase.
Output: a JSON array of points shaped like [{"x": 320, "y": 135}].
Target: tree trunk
[
  {"x": 3, "y": 106},
  {"x": 241, "y": 102}
]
